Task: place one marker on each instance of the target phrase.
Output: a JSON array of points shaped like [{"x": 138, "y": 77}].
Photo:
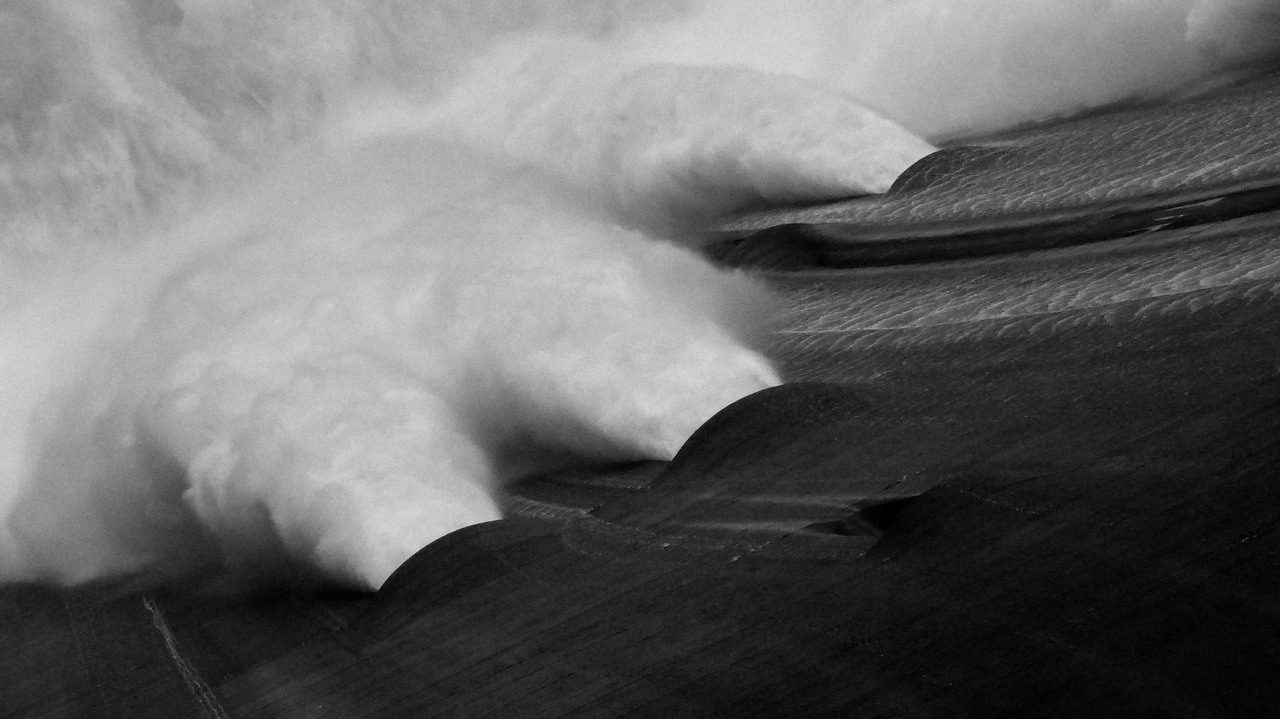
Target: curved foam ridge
[
  {"x": 1095, "y": 178},
  {"x": 993, "y": 482}
]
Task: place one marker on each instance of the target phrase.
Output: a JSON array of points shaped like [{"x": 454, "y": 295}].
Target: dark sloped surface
[
  {"x": 1036, "y": 484},
  {"x": 1110, "y": 175},
  {"x": 1141, "y": 578},
  {"x": 786, "y": 459}
]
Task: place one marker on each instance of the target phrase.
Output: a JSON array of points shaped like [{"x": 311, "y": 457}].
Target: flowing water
[{"x": 289, "y": 287}]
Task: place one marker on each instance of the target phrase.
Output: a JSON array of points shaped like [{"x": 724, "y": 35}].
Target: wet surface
[
  {"x": 1036, "y": 484},
  {"x": 1111, "y": 175}
]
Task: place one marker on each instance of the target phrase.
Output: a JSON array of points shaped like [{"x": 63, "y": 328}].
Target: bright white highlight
[{"x": 288, "y": 288}]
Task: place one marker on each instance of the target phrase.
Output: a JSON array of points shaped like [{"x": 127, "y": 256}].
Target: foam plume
[{"x": 290, "y": 288}]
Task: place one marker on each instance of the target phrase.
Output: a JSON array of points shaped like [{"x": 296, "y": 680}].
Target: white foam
[{"x": 290, "y": 287}]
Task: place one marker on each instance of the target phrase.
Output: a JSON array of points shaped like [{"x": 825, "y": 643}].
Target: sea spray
[
  {"x": 290, "y": 288},
  {"x": 328, "y": 372}
]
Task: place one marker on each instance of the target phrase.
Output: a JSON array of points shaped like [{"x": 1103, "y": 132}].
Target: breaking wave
[{"x": 290, "y": 287}]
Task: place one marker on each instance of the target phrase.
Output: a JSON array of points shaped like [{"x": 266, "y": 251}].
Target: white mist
[{"x": 289, "y": 288}]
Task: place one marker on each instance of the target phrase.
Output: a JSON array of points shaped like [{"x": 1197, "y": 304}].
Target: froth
[
  {"x": 327, "y": 377},
  {"x": 290, "y": 288}
]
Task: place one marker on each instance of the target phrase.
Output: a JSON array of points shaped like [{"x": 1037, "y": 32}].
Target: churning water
[{"x": 288, "y": 287}]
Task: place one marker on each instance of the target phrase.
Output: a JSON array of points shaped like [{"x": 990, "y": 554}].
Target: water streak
[{"x": 291, "y": 286}]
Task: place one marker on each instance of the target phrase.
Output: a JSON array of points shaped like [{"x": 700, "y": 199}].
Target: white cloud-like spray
[{"x": 290, "y": 286}]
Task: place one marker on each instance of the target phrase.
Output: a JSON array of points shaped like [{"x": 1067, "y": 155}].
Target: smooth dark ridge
[
  {"x": 837, "y": 245},
  {"x": 1082, "y": 181}
]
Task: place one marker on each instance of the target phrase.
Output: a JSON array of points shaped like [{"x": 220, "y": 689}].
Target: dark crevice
[
  {"x": 835, "y": 245},
  {"x": 872, "y": 521}
]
